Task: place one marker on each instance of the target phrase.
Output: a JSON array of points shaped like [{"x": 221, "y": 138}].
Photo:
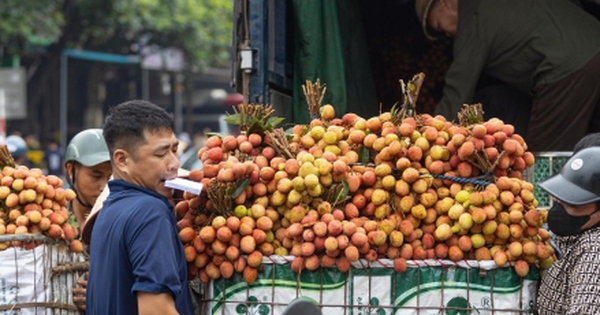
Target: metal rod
[
  {"x": 29, "y": 237},
  {"x": 63, "y": 101},
  {"x": 145, "y": 85}
]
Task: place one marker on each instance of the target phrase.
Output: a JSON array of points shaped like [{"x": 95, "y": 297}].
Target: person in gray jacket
[{"x": 548, "y": 49}]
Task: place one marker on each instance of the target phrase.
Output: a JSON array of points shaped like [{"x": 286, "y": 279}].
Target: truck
[{"x": 359, "y": 50}]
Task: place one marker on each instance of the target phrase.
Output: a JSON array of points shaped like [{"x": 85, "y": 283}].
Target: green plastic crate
[{"x": 546, "y": 164}]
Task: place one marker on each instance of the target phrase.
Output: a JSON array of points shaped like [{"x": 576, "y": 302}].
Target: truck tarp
[{"x": 330, "y": 46}]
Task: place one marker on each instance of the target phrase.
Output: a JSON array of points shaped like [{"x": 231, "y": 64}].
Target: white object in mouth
[{"x": 185, "y": 185}]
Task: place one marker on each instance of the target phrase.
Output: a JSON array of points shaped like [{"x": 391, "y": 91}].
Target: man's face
[
  {"x": 90, "y": 181},
  {"x": 154, "y": 162},
  {"x": 443, "y": 17}
]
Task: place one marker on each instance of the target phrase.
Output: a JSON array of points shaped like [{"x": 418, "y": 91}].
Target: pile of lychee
[
  {"x": 356, "y": 188},
  {"x": 34, "y": 203}
]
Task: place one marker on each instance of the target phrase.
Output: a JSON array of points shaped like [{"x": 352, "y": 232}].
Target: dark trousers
[{"x": 565, "y": 111}]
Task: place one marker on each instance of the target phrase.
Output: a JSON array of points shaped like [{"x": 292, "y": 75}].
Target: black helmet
[{"x": 578, "y": 182}]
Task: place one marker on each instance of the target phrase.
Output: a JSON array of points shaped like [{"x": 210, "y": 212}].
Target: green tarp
[{"x": 330, "y": 46}]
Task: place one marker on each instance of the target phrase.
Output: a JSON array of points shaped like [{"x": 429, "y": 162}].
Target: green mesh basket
[{"x": 546, "y": 165}]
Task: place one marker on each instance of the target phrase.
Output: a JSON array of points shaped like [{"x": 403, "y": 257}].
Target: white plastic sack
[
  {"x": 28, "y": 286},
  {"x": 427, "y": 287}
]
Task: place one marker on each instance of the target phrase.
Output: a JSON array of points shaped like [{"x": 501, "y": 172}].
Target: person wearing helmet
[
  {"x": 17, "y": 148},
  {"x": 572, "y": 283},
  {"x": 87, "y": 164}
]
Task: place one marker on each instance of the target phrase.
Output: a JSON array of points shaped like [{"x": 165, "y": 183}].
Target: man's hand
[{"x": 79, "y": 292}]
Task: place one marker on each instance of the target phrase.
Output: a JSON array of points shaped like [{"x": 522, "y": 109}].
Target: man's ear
[
  {"x": 121, "y": 160},
  {"x": 69, "y": 169},
  {"x": 594, "y": 219}
]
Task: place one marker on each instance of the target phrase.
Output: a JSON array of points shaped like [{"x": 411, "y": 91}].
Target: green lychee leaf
[
  {"x": 257, "y": 127},
  {"x": 234, "y": 119},
  {"x": 274, "y": 121},
  {"x": 394, "y": 109},
  {"x": 289, "y": 134},
  {"x": 241, "y": 186},
  {"x": 343, "y": 194},
  {"x": 363, "y": 155}
]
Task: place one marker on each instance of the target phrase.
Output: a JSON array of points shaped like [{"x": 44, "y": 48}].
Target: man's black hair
[
  {"x": 126, "y": 123},
  {"x": 590, "y": 140}
]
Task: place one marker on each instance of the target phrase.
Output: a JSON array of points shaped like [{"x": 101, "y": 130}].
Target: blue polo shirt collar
[{"x": 118, "y": 185}]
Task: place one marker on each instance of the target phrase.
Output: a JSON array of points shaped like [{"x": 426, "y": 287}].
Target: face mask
[{"x": 562, "y": 223}]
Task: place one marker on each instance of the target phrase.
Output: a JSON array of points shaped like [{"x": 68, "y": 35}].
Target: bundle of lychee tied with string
[
  {"x": 351, "y": 190},
  {"x": 32, "y": 204}
]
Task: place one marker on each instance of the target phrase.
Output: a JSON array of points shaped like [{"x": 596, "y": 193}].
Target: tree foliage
[
  {"x": 23, "y": 22},
  {"x": 201, "y": 28}
]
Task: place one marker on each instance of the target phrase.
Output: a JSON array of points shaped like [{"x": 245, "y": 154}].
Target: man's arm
[
  {"x": 156, "y": 303},
  {"x": 157, "y": 262},
  {"x": 461, "y": 80},
  {"x": 470, "y": 52}
]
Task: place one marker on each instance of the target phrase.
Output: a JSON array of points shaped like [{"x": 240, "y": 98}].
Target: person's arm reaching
[
  {"x": 156, "y": 304},
  {"x": 461, "y": 81},
  {"x": 470, "y": 55},
  {"x": 157, "y": 260}
]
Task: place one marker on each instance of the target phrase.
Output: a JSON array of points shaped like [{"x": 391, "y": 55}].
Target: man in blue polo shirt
[{"x": 137, "y": 264}]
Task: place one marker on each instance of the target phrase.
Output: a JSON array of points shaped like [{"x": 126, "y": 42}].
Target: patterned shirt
[{"x": 572, "y": 284}]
